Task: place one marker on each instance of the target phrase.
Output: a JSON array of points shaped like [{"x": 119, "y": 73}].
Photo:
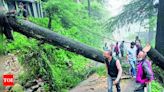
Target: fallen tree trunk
[
  {"x": 156, "y": 57},
  {"x": 32, "y": 30}
]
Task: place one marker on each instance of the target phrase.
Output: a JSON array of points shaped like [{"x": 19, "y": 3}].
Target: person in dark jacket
[{"x": 114, "y": 71}]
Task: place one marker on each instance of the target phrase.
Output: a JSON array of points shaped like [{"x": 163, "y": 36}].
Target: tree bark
[
  {"x": 160, "y": 28},
  {"x": 89, "y": 7},
  {"x": 49, "y": 22},
  {"x": 32, "y": 30},
  {"x": 156, "y": 57}
]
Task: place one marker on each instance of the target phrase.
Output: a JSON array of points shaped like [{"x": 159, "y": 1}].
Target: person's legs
[
  {"x": 117, "y": 54},
  {"x": 118, "y": 87},
  {"x": 132, "y": 64},
  {"x": 140, "y": 88},
  {"x": 122, "y": 53},
  {"x": 131, "y": 67},
  {"x": 110, "y": 84},
  {"x": 134, "y": 71}
]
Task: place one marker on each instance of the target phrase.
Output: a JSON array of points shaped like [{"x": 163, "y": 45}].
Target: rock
[
  {"x": 40, "y": 89},
  {"x": 92, "y": 88},
  {"x": 34, "y": 85},
  {"x": 30, "y": 84},
  {"x": 35, "y": 88},
  {"x": 29, "y": 90}
]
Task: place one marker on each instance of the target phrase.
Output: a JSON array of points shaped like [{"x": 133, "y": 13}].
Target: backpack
[{"x": 140, "y": 73}]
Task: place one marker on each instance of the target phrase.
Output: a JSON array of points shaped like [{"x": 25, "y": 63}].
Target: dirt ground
[
  {"x": 8, "y": 65},
  {"x": 99, "y": 84}
]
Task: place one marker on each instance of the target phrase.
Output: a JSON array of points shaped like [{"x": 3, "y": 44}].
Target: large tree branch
[
  {"x": 32, "y": 30},
  {"x": 156, "y": 57},
  {"x": 35, "y": 31}
]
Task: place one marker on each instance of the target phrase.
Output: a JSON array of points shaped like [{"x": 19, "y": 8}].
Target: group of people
[
  {"x": 118, "y": 49},
  {"x": 140, "y": 66},
  {"x": 4, "y": 11}
]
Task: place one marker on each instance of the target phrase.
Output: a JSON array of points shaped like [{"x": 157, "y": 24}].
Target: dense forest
[
  {"x": 60, "y": 69},
  {"x": 85, "y": 21}
]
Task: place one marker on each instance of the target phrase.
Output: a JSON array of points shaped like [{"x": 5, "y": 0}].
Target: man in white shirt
[{"x": 131, "y": 57}]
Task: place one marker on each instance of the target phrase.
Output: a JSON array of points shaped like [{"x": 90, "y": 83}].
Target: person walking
[
  {"x": 122, "y": 48},
  {"x": 23, "y": 12},
  {"x": 137, "y": 39},
  {"x": 131, "y": 58},
  {"x": 105, "y": 48},
  {"x": 144, "y": 71},
  {"x": 139, "y": 46},
  {"x": 114, "y": 71},
  {"x": 116, "y": 50}
]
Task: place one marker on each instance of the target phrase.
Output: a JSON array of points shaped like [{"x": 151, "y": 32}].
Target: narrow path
[
  {"x": 9, "y": 65},
  {"x": 99, "y": 84}
]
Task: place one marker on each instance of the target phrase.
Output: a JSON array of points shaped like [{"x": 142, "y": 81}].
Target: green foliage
[
  {"x": 1, "y": 43},
  {"x": 156, "y": 87},
  {"x": 49, "y": 62},
  {"x": 81, "y": 31},
  {"x": 17, "y": 88},
  {"x": 75, "y": 23},
  {"x": 101, "y": 71},
  {"x": 159, "y": 74},
  {"x": 60, "y": 69}
]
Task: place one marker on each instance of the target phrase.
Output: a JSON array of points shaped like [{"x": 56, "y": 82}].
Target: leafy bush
[
  {"x": 101, "y": 71},
  {"x": 156, "y": 87}
]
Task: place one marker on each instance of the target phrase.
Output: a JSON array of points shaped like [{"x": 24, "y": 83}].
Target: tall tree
[
  {"x": 160, "y": 28},
  {"x": 89, "y": 7},
  {"x": 51, "y": 9},
  {"x": 137, "y": 11}
]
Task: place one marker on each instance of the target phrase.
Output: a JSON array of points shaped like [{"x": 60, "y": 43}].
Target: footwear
[{"x": 140, "y": 88}]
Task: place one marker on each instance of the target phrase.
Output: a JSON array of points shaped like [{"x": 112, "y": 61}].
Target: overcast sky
[{"x": 115, "y": 6}]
